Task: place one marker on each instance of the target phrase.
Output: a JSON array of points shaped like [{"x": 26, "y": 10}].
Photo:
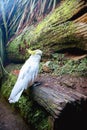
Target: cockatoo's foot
[{"x": 36, "y": 83}]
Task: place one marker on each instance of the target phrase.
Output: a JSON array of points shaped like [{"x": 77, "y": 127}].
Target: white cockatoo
[{"x": 27, "y": 75}]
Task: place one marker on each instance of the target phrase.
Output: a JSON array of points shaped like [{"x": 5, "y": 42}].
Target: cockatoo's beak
[{"x": 30, "y": 51}]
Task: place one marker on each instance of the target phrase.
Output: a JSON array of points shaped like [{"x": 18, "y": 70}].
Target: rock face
[{"x": 65, "y": 27}]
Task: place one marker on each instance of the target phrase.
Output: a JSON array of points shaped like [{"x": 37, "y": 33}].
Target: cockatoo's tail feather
[
  {"x": 16, "y": 98},
  {"x": 27, "y": 75}
]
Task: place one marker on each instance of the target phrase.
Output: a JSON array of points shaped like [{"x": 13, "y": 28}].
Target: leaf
[
  {"x": 1, "y": 47},
  {"x": 4, "y": 17}
]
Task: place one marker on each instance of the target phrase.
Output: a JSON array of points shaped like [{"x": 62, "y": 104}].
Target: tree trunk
[
  {"x": 56, "y": 92},
  {"x": 66, "y": 27}
]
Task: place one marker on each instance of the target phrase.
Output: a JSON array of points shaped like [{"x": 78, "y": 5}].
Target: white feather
[{"x": 27, "y": 76}]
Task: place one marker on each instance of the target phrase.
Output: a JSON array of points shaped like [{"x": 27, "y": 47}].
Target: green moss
[
  {"x": 33, "y": 113},
  {"x": 61, "y": 65},
  {"x": 66, "y": 66},
  {"x": 29, "y": 109},
  {"x": 52, "y": 30},
  {"x": 8, "y": 83}
]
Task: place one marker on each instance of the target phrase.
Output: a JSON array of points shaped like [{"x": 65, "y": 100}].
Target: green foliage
[
  {"x": 33, "y": 113},
  {"x": 4, "y": 17},
  {"x": 61, "y": 65},
  {"x": 2, "y": 55},
  {"x": 29, "y": 109},
  {"x": 8, "y": 83},
  {"x": 1, "y": 47},
  {"x": 66, "y": 66}
]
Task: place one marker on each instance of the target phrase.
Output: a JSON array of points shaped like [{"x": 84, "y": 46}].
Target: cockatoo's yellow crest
[
  {"x": 37, "y": 51},
  {"x": 30, "y": 51}
]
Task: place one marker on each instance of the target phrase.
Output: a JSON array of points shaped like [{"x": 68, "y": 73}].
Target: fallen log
[
  {"x": 55, "y": 93},
  {"x": 59, "y": 30}
]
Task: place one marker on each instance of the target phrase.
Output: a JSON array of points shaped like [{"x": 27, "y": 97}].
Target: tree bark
[
  {"x": 65, "y": 27},
  {"x": 56, "y": 92}
]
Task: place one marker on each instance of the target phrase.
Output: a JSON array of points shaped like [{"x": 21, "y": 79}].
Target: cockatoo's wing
[
  {"x": 26, "y": 77},
  {"x": 29, "y": 68}
]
